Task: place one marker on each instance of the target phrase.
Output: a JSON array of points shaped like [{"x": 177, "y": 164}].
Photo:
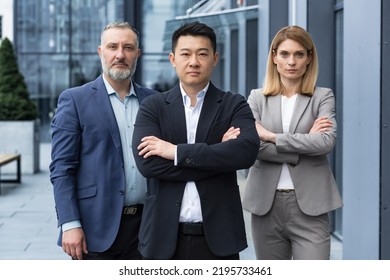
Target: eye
[
  {"x": 299, "y": 54},
  {"x": 129, "y": 48},
  {"x": 284, "y": 54}
]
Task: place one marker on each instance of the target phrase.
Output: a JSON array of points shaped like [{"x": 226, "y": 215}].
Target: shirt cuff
[
  {"x": 175, "y": 162},
  {"x": 71, "y": 225}
]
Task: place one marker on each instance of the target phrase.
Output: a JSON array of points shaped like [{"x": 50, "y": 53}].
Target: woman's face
[{"x": 291, "y": 60}]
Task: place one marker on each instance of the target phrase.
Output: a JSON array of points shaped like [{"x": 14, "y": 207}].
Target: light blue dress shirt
[{"x": 125, "y": 113}]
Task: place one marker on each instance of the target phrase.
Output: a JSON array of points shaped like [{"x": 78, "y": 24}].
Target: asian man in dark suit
[
  {"x": 98, "y": 191},
  {"x": 189, "y": 142}
]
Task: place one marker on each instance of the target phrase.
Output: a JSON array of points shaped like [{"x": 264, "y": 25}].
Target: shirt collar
[
  {"x": 200, "y": 96},
  {"x": 111, "y": 90}
]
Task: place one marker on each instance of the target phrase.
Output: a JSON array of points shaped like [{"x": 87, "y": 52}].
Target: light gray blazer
[{"x": 305, "y": 154}]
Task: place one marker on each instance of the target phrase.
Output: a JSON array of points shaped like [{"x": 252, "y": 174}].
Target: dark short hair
[{"x": 194, "y": 29}]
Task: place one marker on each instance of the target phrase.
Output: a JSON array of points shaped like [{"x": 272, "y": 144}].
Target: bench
[{"x": 5, "y": 159}]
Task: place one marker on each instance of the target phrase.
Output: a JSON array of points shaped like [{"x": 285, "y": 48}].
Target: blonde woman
[{"x": 290, "y": 188}]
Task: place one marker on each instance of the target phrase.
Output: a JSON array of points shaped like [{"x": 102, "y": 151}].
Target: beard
[{"x": 119, "y": 74}]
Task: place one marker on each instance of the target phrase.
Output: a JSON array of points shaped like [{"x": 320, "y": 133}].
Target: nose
[
  {"x": 291, "y": 60},
  {"x": 194, "y": 62},
  {"x": 120, "y": 53}
]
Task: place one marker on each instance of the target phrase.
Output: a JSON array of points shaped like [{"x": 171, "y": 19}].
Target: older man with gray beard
[{"x": 98, "y": 191}]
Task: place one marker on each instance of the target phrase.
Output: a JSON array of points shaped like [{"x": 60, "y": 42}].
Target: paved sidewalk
[{"x": 28, "y": 224}]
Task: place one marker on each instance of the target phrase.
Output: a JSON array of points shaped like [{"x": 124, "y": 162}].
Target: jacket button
[
  {"x": 292, "y": 165},
  {"x": 188, "y": 161},
  {"x": 177, "y": 203},
  {"x": 121, "y": 192}
]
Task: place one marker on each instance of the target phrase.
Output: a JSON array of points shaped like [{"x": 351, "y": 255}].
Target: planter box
[{"x": 21, "y": 137}]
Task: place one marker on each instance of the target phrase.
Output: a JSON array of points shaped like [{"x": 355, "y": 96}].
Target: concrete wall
[
  {"x": 20, "y": 137},
  {"x": 361, "y": 129}
]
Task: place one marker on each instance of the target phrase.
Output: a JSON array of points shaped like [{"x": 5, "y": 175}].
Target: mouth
[
  {"x": 291, "y": 70},
  {"x": 193, "y": 73},
  {"x": 120, "y": 64}
]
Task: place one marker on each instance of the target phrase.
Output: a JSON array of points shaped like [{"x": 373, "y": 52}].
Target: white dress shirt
[
  {"x": 288, "y": 104},
  {"x": 191, "y": 210}
]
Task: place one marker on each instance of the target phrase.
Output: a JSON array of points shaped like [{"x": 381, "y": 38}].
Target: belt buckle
[{"x": 130, "y": 210}]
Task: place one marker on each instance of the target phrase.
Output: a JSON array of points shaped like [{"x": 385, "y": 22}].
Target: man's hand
[
  {"x": 74, "y": 244},
  {"x": 153, "y": 146},
  {"x": 321, "y": 124},
  {"x": 232, "y": 133}
]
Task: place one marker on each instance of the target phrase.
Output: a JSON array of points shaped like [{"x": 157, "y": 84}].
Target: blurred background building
[{"x": 56, "y": 43}]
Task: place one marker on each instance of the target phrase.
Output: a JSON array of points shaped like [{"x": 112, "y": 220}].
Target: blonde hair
[{"x": 272, "y": 83}]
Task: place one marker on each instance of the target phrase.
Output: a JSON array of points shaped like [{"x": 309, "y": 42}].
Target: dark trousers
[
  {"x": 192, "y": 245},
  {"x": 125, "y": 246}
]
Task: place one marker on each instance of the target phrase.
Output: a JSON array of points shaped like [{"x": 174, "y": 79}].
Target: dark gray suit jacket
[{"x": 208, "y": 162}]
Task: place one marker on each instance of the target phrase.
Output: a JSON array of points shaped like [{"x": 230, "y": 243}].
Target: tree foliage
[{"x": 15, "y": 103}]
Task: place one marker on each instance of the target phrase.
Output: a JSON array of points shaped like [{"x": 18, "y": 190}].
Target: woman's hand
[
  {"x": 264, "y": 134},
  {"x": 321, "y": 124}
]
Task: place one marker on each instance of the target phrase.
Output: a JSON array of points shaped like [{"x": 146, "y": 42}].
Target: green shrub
[{"x": 15, "y": 103}]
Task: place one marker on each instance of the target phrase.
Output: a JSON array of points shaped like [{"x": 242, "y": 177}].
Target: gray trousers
[{"x": 287, "y": 233}]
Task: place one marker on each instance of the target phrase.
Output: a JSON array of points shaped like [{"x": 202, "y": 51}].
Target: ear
[
  {"x": 309, "y": 58},
  {"x": 216, "y": 57},
  {"x": 274, "y": 56},
  {"x": 172, "y": 59}
]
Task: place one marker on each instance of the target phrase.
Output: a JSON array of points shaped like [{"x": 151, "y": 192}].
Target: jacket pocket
[{"x": 88, "y": 191}]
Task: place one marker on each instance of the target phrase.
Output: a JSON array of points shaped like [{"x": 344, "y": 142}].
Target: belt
[
  {"x": 132, "y": 209},
  {"x": 191, "y": 228},
  {"x": 285, "y": 190}
]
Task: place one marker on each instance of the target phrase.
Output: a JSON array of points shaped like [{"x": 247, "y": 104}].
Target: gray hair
[{"x": 121, "y": 25}]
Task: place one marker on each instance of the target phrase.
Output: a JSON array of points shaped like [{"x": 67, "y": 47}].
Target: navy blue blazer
[
  {"x": 208, "y": 162},
  {"x": 87, "y": 164}
]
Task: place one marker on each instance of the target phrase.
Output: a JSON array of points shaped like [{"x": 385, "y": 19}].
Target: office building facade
[{"x": 56, "y": 44}]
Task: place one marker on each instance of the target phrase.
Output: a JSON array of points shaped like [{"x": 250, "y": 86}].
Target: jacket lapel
[
  {"x": 275, "y": 112},
  {"x": 175, "y": 110},
  {"x": 211, "y": 106},
  {"x": 300, "y": 107},
  {"x": 140, "y": 93},
  {"x": 103, "y": 103}
]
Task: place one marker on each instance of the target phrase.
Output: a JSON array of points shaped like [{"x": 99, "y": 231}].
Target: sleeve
[
  {"x": 66, "y": 136},
  {"x": 268, "y": 151},
  {"x": 149, "y": 122},
  {"x": 313, "y": 144},
  {"x": 200, "y": 160},
  {"x": 239, "y": 153}
]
